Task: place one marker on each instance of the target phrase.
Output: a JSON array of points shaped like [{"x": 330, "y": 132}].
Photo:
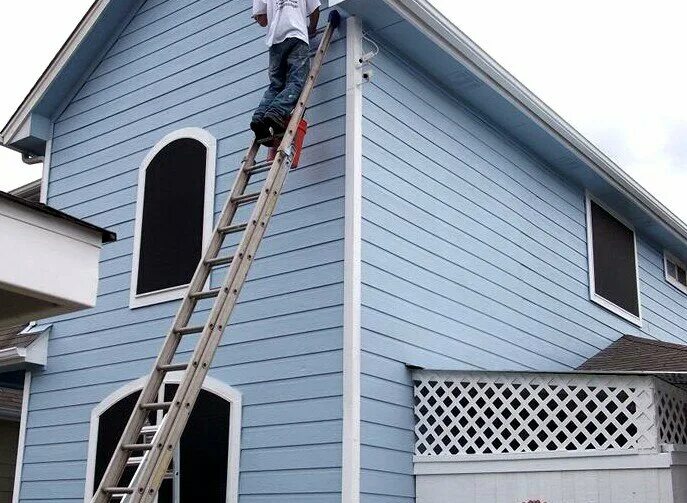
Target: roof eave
[
  {"x": 447, "y": 36},
  {"x": 23, "y": 112},
  {"x": 33, "y": 355}
]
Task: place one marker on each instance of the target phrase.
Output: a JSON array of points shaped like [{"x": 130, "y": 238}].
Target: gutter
[
  {"x": 12, "y": 356},
  {"x": 456, "y": 43},
  {"x": 34, "y": 354}
]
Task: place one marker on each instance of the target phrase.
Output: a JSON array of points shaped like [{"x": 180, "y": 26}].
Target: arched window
[
  {"x": 174, "y": 213},
  {"x": 205, "y": 464}
]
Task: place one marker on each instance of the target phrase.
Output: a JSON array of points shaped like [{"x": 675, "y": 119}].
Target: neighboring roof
[
  {"x": 479, "y": 80},
  {"x": 23, "y": 346},
  {"x": 10, "y": 403},
  {"x": 13, "y": 337},
  {"x": 30, "y": 191},
  {"x": 107, "y": 236},
  {"x": 637, "y": 354}
]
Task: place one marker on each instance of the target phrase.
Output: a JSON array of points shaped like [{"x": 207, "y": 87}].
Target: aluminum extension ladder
[{"x": 158, "y": 452}]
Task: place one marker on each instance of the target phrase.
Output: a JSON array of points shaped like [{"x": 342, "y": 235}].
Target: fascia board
[
  {"x": 447, "y": 36},
  {"x": 56, "y": 65}
]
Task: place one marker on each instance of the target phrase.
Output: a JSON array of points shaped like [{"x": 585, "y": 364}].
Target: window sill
[
  {"x": 159, "y": 297},
  {"x": 676, "y": 284},
  {"x": 619, "y": 311}
]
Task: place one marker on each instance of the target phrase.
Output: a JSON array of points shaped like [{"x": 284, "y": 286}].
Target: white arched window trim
[
  {"x": 211, "y": 385},
  {"x": 210, "y": 143}
]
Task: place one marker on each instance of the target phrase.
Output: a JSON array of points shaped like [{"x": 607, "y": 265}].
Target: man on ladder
[
  {"x": 290, "y": 24},
  {"x": 157, "y": 453}
]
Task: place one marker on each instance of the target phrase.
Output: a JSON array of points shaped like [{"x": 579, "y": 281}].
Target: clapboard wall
[
  {"x": 474, "y": 257},
  {"x": 177, "y": 64}
]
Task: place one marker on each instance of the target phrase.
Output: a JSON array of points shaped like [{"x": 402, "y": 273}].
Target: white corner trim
[
  {"x": 593, "y": 296},
  {"x": 350, "y": 492},
  {"x": 212, "y": 385},
  {"x": 45, "y": 178},
  {"x": 22, "y": 437},
  {"x": 210, "y": 142}
]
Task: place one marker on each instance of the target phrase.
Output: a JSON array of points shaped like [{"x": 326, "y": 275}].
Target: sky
[{"x": 613, "y": 69}]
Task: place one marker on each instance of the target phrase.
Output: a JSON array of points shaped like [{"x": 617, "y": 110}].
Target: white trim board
[
  {"x": 595, "y": 297},
  {"x": 47, "y": 159},
  {"x": 21, "y": 444},
  {"x": 350, "y": 492},
  {"x": 544, "y": 463},
  {"x": 210, "y": 142},
  {"x": 214, "y": 386}
]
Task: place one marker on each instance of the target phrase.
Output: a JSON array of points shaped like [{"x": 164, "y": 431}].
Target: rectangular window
[
  {"x": 676, "y": 272},
  {"x": 612, "y": 263}
]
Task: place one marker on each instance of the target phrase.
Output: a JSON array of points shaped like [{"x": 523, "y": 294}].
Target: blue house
[{"x": 445, "y": 258}]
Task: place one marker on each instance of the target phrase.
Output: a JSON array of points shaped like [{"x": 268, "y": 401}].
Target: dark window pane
[
  {"x": 204, "y": 449},
  {"x": 681, "y": 275},
  {"x": 172, "y": 227},
  {"x": 110, "y": 429},
  {"x": 166, "y": 492},
  {"x": 615, "y": 272},
  {"x": 671, "y": 268}
]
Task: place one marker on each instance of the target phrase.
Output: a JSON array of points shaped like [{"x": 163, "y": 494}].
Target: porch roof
[{"x": 638, "y": 354}]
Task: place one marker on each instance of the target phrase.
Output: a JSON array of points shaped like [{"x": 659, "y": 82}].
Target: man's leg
[
  {"x": 298, "y": 68},
  {"x": 277, "y": 73}
]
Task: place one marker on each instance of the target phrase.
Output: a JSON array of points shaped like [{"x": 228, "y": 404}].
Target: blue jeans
[{"x": 289, "y": 69}]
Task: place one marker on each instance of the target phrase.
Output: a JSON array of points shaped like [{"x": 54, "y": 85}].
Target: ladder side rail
[
  {"x": 227, "y": 291},
  {"x": 135, "y": 424},
  {"x": 174, "y": 424}
]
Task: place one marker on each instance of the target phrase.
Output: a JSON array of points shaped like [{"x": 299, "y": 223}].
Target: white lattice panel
[
  {"x": 475, "y": 413},
  {"x": 671, "y": 405}
]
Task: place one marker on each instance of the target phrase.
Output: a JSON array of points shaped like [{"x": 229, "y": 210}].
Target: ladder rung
[
  {"x": 118, "y": 490},
  {"x": 137, "y": 447},
  {"x": 141, "y": 446},
  {"x": 214, "y": 262},
  {"x": 173, "y": 367},
  {"x": 269, "y": 141},
  {"x": 156, "y": 406},
  {"x": 209, "y": 294},
  {"x": 233, "y": 229},
  {"x": 246, "y": 198},
  {"x": 189, "y": 330},
  {"x": 259, "y": 167}
]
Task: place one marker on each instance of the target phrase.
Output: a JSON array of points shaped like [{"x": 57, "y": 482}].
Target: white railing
[
  {"x": 463, "y": 413},
  {"x": 671, "y": 406}
]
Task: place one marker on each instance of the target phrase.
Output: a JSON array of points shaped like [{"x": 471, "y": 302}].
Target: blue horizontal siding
[
  {"x": 474, "y": 257},
  {"x": 185, "y": 63}
]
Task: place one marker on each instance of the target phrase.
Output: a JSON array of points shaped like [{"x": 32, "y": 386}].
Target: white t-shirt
[{"x": 286, "y": 18}]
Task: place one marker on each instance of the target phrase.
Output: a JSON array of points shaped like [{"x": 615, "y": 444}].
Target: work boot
[
  {"x": 260, "y": 128},
  {"x": 276, "y": 123}
]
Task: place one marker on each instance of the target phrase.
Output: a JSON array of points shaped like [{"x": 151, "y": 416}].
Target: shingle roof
[
  {"x": 637, "y": 354},
  {"x": 10, "y": 401},
  {"x": 107, "y": 236},
  {"x": 12, "y": 337}
]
